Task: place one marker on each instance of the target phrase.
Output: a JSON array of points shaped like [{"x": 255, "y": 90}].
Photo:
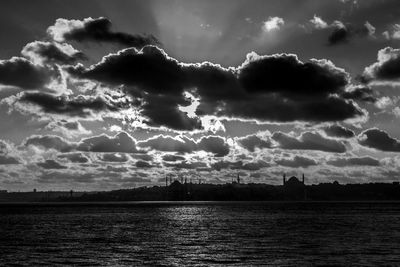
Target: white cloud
[
  {"x": 273, "y": 23},
  {"x": 318, "y": 22},
  {"x": 384, "y": 102},
  {"x": 396, "y": 112},
  {"x": 393, "y": 32}
]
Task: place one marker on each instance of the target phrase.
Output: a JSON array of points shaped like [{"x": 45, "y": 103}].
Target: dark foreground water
[{"x": 200, "y": 234}]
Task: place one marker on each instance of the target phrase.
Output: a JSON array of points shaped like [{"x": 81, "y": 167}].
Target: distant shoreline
[{"x": 94, "y": 203}]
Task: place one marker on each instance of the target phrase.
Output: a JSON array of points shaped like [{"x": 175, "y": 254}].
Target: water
[{"x": 201, "y": 234}]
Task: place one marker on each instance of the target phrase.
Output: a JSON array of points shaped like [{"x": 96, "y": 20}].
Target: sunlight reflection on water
[{"x": 205, "y": 234}]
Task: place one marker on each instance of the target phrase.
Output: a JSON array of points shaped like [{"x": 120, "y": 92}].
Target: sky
[{"x": 101, "y": 95}]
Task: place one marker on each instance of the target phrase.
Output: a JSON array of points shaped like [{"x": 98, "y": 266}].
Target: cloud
[
  {"x": 22, "y": 73},
  {"x": 251, "y": 142},
  {"x": 182, "y": 144},
  {"x": 49, "y": 142},
  {"x": 80, "y": 105},
  {"x": 252, "y": 166},
  {"x": 67, "y": 128},
  {"x": 309, "y": 141},
  {"x": 41, "y": 52},
  {"x": 5, "y": 147},
  {"x": 308, "y": 95},
  {"x": 51, "y": 164},
  {"x": 110, "y": 168},
  {"x": 256, "y": 89},
  {"x": 57, "y": 177},
  {"x": 361, "y": 93},
  {"x": 214, "y": 144},
  {"x": 338, "y": 131},
  {"x": 393, "y": 32},
  {"x": 354, "y": 161},
  {"x": 387, "y": 68},
  {"x": 296, "y": 162},
  {"x": 95, "y": 30},
  {"x": 74, "y": 157},
  {"x": 121, "y": 142},
  {"x": 240, "y": 165},
  {"x": 318, "y": 22},
  {"x": 378, "y": 139},
  {"x": 142, "y": 164},
  {"x": 137, "y": 69},
  {"x": 187, "y": 165},
  {"x": 6, "y": 160},
  {"x": 273, "y": 23},
  {"x": 169, "y": 157},
  {"x": 342, "y": 33},
  {"x": 164, "y": 111},
  {"x": 170, "y": 144},
  {"x": 114, "y": 157}
]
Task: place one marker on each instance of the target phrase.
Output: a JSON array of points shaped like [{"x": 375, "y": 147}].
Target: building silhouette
[
  {"x": 294, "y": 189},
  {"x": 293, "y": 181}
]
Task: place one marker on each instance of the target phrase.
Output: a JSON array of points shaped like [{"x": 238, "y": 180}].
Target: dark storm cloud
[
  {"x": 251, "y": 142},
  {"x": 161, "y": 77},
  {"x": 311, "y": 91},
  {"x": 49, "y": 142},
  {"x": 47, "y": 52},
  {"x": 309, "y": 141},
  {"x": 308, "y": 91},
  {"x": 5, "y": 160},
  {"x": 338, "y": 131},
  {"x": 270, "y": 74},
  {"x": 296, "y": 162},
  {"x": 22, "y": 73},
  {"x": 342, "y": 33},
  {"x": 96, "y": 30},
  {"x": 164, "y": 111},
  {"x": 134, "y": 67},
  {"x": 181, "y": 144},
  {"x": 387, "y": 67},
  {"x": 51, "y": 164},
  {"x": 69, "y": 105},
  {"x": 361, "y": 161},
  {"x": 74, "y": 157},
  {"x": 121, "y": 142},
  {"x": 378, "y": 139}
]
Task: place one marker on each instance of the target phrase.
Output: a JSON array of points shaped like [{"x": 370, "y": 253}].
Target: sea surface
[{"x": 200, "y": 234}]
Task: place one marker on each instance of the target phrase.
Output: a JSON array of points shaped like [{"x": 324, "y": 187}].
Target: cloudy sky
[{"x": 98, "y": 95}]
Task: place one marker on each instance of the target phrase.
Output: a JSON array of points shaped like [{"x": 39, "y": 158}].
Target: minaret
[
  {"x": 284, "y": 179},
  {"x": 238, "y": 178},
  {"x": 302, "y": 178}
]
